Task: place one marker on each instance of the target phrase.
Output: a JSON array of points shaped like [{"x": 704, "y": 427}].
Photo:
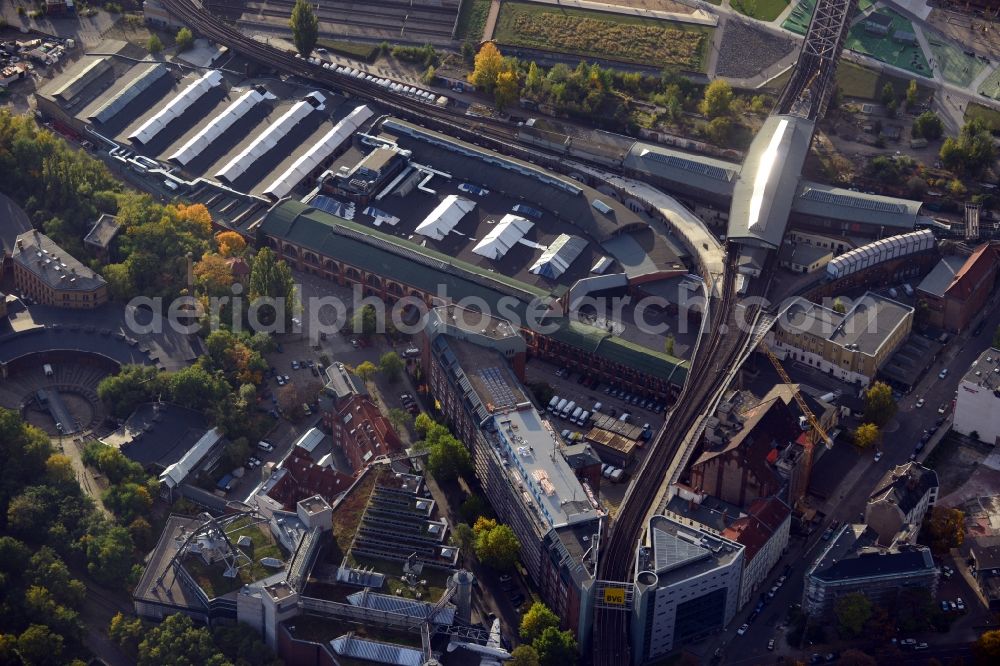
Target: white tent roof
[
  {"x": 213, "y": 130},
  {"x": 176, "y": 107},
  {"x": 558, "y": 256},
  {"x": 503, "y": 236},
  {"x": 175, "y": 474},
  {"x": 445, "y": 217},
  {"x": 265, "y": 142},
  {"x": 313, "y": 157}
]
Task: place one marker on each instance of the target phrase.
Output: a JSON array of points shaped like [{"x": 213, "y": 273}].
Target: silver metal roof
[
  {"x": 769, "y": 181},
  {"x": 826, "y": 201}
]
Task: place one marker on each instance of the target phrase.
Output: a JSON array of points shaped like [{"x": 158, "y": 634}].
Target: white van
[
  {"x": 48, "y": 370},
  {"x": 575, "y": 416},
  {"x": 552, "y": 403},
  {"x": 583, "y": 418}
]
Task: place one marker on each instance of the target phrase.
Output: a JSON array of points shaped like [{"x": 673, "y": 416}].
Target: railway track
[
  {"x": 500, "y": 134},
  {"x": 726, "y": 341}
]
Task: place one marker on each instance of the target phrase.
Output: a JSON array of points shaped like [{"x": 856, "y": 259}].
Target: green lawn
[
  {"x": 437, "y": 581},
  {"x": 591, "y": 34},
  {"x": 211, "y": 578},
  {"x": 472, "y": 20},
  {"x": 798, "y": 20},
  {"x": 762, "y": 10},
  {"x": 864, "y": 83},
  {"x": 886, "y": 48},
  {"x": 990, "y": 117},
  {"x": 358, "y": 50}
]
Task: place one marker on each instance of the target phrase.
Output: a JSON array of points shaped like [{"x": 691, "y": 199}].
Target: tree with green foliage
[
  {"x": 305, "y": 27},
  {"x": 398, "y": 419},
  {"x": 24, "y": 450},
  {"x": 555, "y": 648},
  {"x": 40, "y": 646},
  {"x": 867, "y": 435},
  {"x": 533, "y": 80},
  {"x": 366, "y": 371},
  {"x": 853, "y": 612},
  {"x": 912, "y": 94},
  {"x": 464, "y": 536},
  {"x": 391, "y": 366},
  {"x": 127, "y": 633},
  {"x": 718, "y": 130},
  {"x": 365, "y": 321},
  {"x": 523, "y": 655},
  {"x": 271, "y": 279},
  {"x": 109, "y": 554},
  {"x": 496, "y": 544},
  {"x": 537, "y": 619},
  {"x": 888, "y": 94},
  {"x": 972, "y": 151},
  {"x": 423, "y": 424},
  {"x": 448, "y": 458},
  {"x": 473, "y": 508},
  {"x": 429, "y": 76},
  {"x": 132, "y": 386},
  {"x": 945, "y": 529},
  {"x": 242, "y": 645},
  {"x": 154, "y": 45},
  {"x": 880, "y": 406},
  {"x": 178, "y": 642},
  {"x": 184, "y": 39},
  {"x": 928, "y": 125},
  {"x": 718, "y": 99},
  {"x": 839, "y": 307}
]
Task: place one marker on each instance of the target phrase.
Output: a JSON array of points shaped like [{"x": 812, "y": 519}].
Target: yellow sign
[{"x": 614, "y": 595}]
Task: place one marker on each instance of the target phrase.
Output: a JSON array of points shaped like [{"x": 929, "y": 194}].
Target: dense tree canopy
[
  {"x": 928, "y": 125},
  {"x": 62, "y": 189},
  {"x": 496, "y": 544},
  {"x": 391, "y": 365},
  {"x": 945, "y": 528},
  {"x": 880, "y": 406},
  {"x": 867, "y": 435},
  {"x": 271, "y": 280},
  {"x": 538, "y": 618},
  {"x": 718, "y": 99},
  {"x": 853, "y": 612},
  {"x": 972, "y": 151},
  {"x": 177, "y": 642}
]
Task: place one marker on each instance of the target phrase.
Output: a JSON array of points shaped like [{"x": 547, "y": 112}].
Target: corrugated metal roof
[
  {"x": 380, "y": 653},
  {"x": 388, "y": 603}
]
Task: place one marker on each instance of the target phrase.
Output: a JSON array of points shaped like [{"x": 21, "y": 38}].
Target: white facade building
[
  {"x": 688, "y": 587},
  {"x": 977, "y": 407}
]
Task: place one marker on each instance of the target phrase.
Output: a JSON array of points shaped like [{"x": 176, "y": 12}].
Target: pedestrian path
[{"x": 491, "y": 20}]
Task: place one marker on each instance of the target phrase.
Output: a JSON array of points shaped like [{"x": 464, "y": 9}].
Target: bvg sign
[{"x": 614, "y": 596}]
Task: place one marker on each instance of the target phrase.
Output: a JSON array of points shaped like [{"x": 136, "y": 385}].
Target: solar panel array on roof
[
  {"x": 265, "y": 142},
  {"x": 126, "y": 95},
  {"x": 854, "y": 202},
  {"x": 213, "y": 130},
  {"x": 332, "y": 206},
  {"x": 175, "y": 107},
  {"x": 313, "y": 157},
  {"x": 709, "y": 170},
  {"x": 500, "y": 393}
]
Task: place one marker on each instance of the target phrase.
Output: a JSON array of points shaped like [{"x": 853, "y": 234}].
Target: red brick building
[
  {"x": 957, "y": 288},
  {"x": 301, "y": 477},
  {"x": 361, "y": 431}
]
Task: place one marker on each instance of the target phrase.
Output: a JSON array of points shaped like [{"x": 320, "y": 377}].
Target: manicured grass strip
[
  {"x": 762, "y": 10},
  {"x": 991, "y": 117}
]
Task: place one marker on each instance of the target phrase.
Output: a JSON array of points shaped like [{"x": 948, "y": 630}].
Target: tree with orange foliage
[
  {"x": 230, "y": 243},
  {"x": 212, "y": 275},
  {"x": 488, "y": 65},
  {"x": 197, "y": 216}
]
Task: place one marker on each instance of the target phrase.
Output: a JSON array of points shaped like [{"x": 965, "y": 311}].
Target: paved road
[{"x": 849, "y": 502}]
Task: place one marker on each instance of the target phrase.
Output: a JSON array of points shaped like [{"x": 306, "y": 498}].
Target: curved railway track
[
  {"x": 478, "y": 130},
  {"x": 727, "y": 339}
]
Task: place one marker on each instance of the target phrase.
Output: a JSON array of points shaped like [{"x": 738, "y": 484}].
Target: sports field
[
  {"x": 888, "y": 48},
  {"x": 955, "y": 66},
  {"x": 603, "y": 35},
  {"x": 990, "y": 87},
  {"x": 798, "y": 19}
]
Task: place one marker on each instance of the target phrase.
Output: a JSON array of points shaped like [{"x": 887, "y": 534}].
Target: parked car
[
  {"x": 265, "y": 445},
  {"x": 960, "y": 604},
  {"x": 919, "y": 403},
  {"x": 878, "y": 456},
  {"x": 743, "y": 629},
  {"x": 943, "y": 408},
  {"x": 770, "y": 644},
  {"x": 943, "y": 373}
]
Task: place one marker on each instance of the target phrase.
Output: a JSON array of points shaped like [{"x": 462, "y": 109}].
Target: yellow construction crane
[{"x": 818, "y": 433}]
